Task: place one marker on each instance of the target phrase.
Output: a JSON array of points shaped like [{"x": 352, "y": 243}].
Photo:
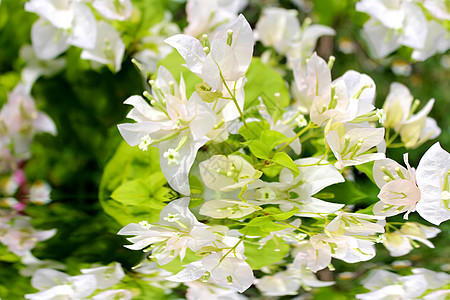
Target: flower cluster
[
  {"x": 259, "y": 191},
  {"x": 68, "y": 23},
  {"x": 93, "y": 283},
  {"x": 419, "y": 25},
  {"x": 383, "y": 284}
]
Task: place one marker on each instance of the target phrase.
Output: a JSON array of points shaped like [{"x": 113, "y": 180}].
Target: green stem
[
  {"x": 301, "y": 132},
  {"x": 233, "y": 97}
]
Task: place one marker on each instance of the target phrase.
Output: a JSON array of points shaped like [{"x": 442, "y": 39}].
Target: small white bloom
[
  {"x": 265, "y": 194},
  {"x": 172, "y": 157},
  {"x": 381, "y": 116},
  {"x": 40, "y": 192},
  {"x": 146, "y": 141},
  {"x": 172, "y": 218},
  {"x": 145, "y": 224},
  {"x": 301, "y": 121}
]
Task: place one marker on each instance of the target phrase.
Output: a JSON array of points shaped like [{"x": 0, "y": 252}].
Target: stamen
[
  {"x": 229, "y": 37},
  {"x": 387, "y": 173}
]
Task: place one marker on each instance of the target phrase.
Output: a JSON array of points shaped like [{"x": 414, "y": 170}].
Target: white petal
[
  {"x": 190, "y": 49},
  {"x": 193, "y": 271},
  {"x": 430, "y": 175},
  {"x": 48, "y": 41}
]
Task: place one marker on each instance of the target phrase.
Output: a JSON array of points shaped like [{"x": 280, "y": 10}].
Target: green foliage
[
  {"x": 268, "y": 222},
  {"x": 265, "y": 82},
  {"x": 271, "y": 253},
  {"x": 346, "y": 192},
  {"x": 253, "y": 130},
  {"x": 282, "y": 159},
  {"x": 133, "y": 187},
  {"x": 259, "y": 149}
]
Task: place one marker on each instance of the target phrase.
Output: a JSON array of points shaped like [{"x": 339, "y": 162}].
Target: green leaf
[
  {"x": 368, "y": 210},
  {"x": 285, "y": 160},
  {"x": 259, "y": 221},
  {"x": 271, "y": 253},
  {"x": 272, "y": 170},
  {"x": 273, "y": 138},
  {"x": 367, "y": 169},
  {"x": 285, "y": 215},
  {"x": 265, "y": 82},
  {"x": 132, "y": 186},
  {"x": 346, "y": 192},
  {"x": 150, "y": 192},
  {"x": 259, "y": 149},
  {"x": 7, "y": 256},
  {"x": 254, "y": 130},
  {"x": 245, "y": 156}
]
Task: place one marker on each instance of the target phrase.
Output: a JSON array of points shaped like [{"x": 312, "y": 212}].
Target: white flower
[
  {"x": 35, "y": 68},
  {"x": 317, "y": 253},
  {"x": 438, "y": 9},
  {"x": 208, "y": 16},
  {"x": 40, "y": 192},
  {"x": 433, "y": 176},
  {"x": 22, "y": 120},
  {"x": 288, "y": 282},
  {"x": 176, "y": 126},
  {"x": 202, "y": 290},
  {"x": 349, "y": 146},
  {"x": 224, "y": 268},
  {"x": 414, "y": 129},
  {"x": 400, "y": 242},
  {"x": 227, "y": 56},
  {"x": 346, "y": 98},
  {"x": 434, "y": 280},
  {"x": 437, "y": 41},
  {"x": 172, "y": 157},
  {"x": 177, "y": 230},
  {"x": 108, "y": 48},
  {"x": 148, "y": 58},
  {"x": 279, "y": 28},
  {"x": 227, "y": 173},
  {"x": 113, "y": 295},
  {"x": 146, "y": 141},
  {"x": 106, "y": 276},
  {"x": 355, "y": 224},
  {"x": 399, "y": 192},
  {"x": 115, "y": 10},
  {"x": 397, "y": 105},
  {"x": 393, "y": 24},
  {"x": 225, "y": 208},
  {"x": 62, "y": 23},
  {"x": 54, "y": 285},
  {"x": 387, "y": 285},
  {"x": 298, "y": 192},
  {"x": 20, "y": 237}
]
